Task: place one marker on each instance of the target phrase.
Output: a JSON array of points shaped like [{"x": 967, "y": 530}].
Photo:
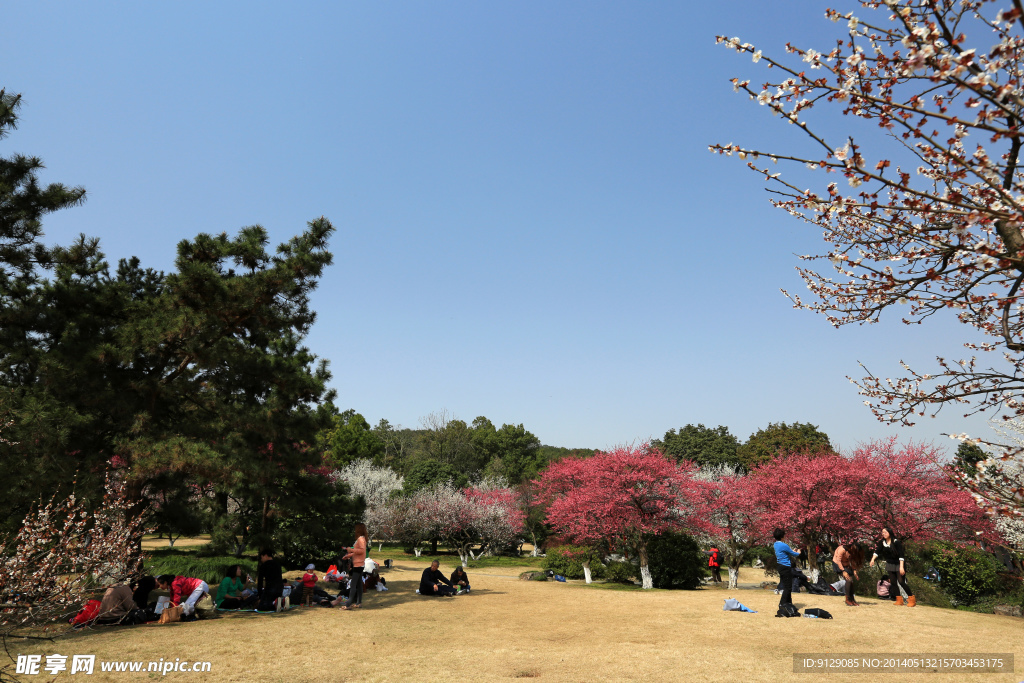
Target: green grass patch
[
  {"x": 190, "y": 563},
  {"x": 453, "y": 558},
  {"x": 611, "y": 586}
]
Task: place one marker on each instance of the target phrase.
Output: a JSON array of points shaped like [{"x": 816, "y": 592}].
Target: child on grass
[{"x": 308, "y": 584}]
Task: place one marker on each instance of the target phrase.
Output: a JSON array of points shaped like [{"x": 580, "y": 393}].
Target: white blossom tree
[
  {"x": 929, "y": 218},
  {"x": 375, "y": 484},
  {"x": 62, "y": 551}
]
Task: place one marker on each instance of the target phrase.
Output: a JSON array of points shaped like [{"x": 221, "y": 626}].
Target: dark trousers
[
  {"x": 849, "y": 588},
  {"x": 237, "y": 603},
  {"x": 716, "y": 574},
  {"x": 894, "y": 576},
  {"x": 268, "y": 597},
  {"x": 786, "y": 574},
  {"x": 355, "y": 591}
]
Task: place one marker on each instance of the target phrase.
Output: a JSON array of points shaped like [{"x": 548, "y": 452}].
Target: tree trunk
[
  {"x": 586, "y": 571},
  {"x": 815, "y": 573},
  {"x": 265, "y": 522},
  {"x": 645, "y": 571},
  {"x": 734, "y": 576},
  {"x": 170, "y": 541},
  {"x": 417, "y": 550},
  {"x": 464, "y": 553},
  {"x": 433, "y": 546},
  {"x": 380, "y": 547}
]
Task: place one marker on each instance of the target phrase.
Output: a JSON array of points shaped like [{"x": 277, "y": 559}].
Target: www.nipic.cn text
[{"x": 30, "y": 665}]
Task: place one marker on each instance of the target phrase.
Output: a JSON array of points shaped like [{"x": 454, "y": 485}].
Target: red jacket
[
  {"x": 715, "y": 558},
  {"x": 309, "y": 580},
  {"x": 182, "y": 587}
]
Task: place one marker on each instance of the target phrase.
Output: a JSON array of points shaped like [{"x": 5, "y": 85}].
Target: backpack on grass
[
  {"x": 787, "y": 610},
  {"x": 816, "y": 612}
]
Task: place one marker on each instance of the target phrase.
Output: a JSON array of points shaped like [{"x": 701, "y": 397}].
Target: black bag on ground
[
  {"x": 787, "y": 610},
  {"x": 817, "y": 612},
  {"x": 135, "y": 617}
]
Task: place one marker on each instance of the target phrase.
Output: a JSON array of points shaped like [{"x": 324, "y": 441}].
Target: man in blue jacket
[{"x": 784, "y": 555}]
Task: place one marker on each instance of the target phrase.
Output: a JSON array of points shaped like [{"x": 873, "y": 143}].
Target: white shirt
[{"x": 369, "y": 566}]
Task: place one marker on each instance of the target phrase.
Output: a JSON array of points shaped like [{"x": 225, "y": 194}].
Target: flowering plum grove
[
  {"x": 624, "y": 497},
  {"x": 927, "y": 216},
  {"x": 486, "y": 515}
]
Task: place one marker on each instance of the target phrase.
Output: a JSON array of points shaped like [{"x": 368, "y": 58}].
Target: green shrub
[
  {"x": 567, "y": 560},
  {"x": 761, "y": 552},
  {"x": 621, "y": 572},
  {"x": 676, "y": 561},
  {"x": 967, "y": 573},
  {"x": 209, "y": 569}
]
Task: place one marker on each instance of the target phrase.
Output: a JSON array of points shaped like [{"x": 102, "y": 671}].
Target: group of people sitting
[
  {"x": 124, "y": 604},
  {"x": 434, "y": 584}
]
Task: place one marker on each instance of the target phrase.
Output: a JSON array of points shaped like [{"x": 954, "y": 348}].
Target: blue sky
[{"x": 530, "y": 226}]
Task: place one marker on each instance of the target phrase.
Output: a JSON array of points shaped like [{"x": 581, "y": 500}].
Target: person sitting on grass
[
  {"x": 372, "y": 578},
  {"x": 230, "y": 592},
  {"x": 433, "y": 583},
  {"x": 185, "y": 591},
  {"x": 117, "y": 604},
  {"x": 460, "y": 580}
]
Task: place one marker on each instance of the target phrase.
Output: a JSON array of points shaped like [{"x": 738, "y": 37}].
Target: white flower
[
  {"x": 855, "y": 181},
  {"x": 757, "y": 57},
  {"x": 764, "y": 97},
  {"x": 852, "y": 23},
  {"x": 855, "y": 59},
  {"x": 843, "y": 152}
]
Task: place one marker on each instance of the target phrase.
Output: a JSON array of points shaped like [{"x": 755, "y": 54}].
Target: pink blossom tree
[
  {"x": 733, "y": 514},
  {"x": 813, "y": 493},
  {"x": 903, "y": 488},
  {"x": 625, "y": 495}
]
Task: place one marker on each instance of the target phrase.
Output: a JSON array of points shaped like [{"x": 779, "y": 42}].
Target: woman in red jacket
[{"x": 184, "y": 590}]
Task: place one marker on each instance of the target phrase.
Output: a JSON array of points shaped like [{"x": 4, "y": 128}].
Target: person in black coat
[
  {"x": 459, "y": 579},
  {"x": 269, "y": 582},
  {"x": 890, "y": 549},
  {"x": 433, "y": 582}
]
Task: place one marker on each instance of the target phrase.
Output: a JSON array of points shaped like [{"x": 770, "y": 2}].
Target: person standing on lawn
[
  {"x": 357, "y": 553},
  {"x": 715, "y": 564},
  {"x": 847, "y": 559},
  {"x": 309, "y": 580},
  {"x": 785, "y": 556},
  {"x": 890, "y": 549}
]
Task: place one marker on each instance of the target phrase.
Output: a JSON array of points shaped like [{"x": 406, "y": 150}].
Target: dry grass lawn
[{"x": 508, "y": 629}]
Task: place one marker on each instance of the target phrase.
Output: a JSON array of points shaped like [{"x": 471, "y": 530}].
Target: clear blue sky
[{"x": 530, "y": 226}]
